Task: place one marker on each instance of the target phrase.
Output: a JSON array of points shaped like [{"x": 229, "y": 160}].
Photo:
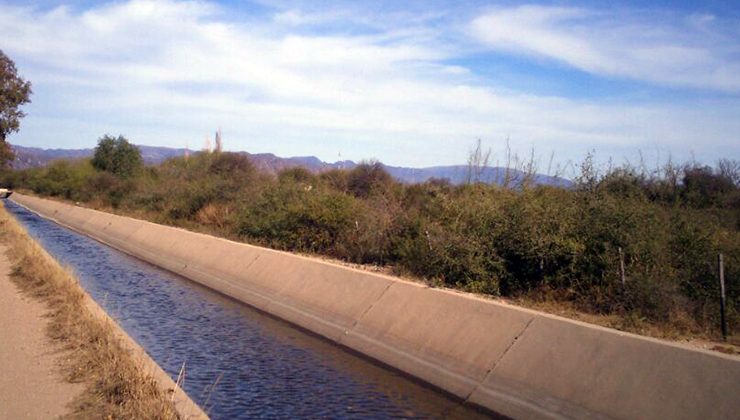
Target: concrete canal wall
[{"x": 514, "y": 361}]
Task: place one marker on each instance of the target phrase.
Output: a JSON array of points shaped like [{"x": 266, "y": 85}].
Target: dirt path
[{"x": 31, "y": 386}]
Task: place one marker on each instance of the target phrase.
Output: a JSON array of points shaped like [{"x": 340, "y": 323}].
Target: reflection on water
[{"x": 261, "y": 367}]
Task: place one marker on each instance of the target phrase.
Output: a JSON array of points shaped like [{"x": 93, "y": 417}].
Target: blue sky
[{"x": 410, "y": 83}]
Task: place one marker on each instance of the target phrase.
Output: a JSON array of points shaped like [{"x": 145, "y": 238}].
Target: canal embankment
[
  {"x": 511, "y": 360},
  {"x": 72, "y": 355}
]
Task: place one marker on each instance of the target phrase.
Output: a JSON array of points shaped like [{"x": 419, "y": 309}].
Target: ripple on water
[{"x": 262, "y": 367}]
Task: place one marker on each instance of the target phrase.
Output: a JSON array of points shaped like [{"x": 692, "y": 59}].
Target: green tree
[
  {"x": 704, "y": 187},
  {"x": 117, "y": 156},
  {"x": 14, "y": 92},
  {"x": 368, "y": 178}
]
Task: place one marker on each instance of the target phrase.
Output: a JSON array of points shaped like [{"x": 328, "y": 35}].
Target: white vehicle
[{"x": 5, "y": 192}]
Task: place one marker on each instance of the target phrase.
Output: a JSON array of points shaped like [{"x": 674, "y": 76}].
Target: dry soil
[{"x": 31, "y": 383}]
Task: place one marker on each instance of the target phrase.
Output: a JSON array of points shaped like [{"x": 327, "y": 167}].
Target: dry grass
[
  {"x": 215, "y": 215},
  {"x": 666, "y": 330},
  {"x": 115, "y": 386}
]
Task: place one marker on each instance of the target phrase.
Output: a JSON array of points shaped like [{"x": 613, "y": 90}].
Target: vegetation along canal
[{"x": 239, "y": 362}]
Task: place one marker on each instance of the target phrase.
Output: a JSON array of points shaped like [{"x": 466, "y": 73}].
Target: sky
[{"x": 411, "y": 83}]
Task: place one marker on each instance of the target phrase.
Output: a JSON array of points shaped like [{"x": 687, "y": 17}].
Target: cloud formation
[
  {"x": 169, "y": 72},
  {"x": 688, "y": 50}
]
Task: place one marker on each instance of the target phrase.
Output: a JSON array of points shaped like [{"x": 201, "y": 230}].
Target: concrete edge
[
  {"x": 184, "y": 405},
  {"x": 186, "y": 408},
  {"x": 533, "y": 402},
  {"x": 316, "y": 260}
]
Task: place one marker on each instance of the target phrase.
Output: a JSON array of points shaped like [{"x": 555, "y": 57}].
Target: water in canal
[{"x": 262, "y": 367}]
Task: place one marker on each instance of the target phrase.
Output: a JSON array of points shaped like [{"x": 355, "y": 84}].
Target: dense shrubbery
[
  {"x": 541, "y": 241},
  {"x": 117, "y": 156}
]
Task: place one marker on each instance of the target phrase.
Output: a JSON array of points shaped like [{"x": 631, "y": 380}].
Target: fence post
[
  {"x": 621, "y": 267},
  {"x": 723, "y": 319}
]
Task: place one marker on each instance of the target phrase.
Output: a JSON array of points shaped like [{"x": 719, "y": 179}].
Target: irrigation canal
[{"x": 239, "y": 362}]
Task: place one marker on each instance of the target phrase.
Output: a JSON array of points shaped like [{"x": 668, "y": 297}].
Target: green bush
[
  {"x": 63, "y": 179},
  {"x": 231, "y": 165},
  {"x": 538, "y": 239},
  {"x": 540, "y": 242},
  {"x": 376, "y": 225},
  {"x": 290, "y": 216},
  {"x": 705, "y": 188},
  {"x": 457, "y": 247},
  {"x": 367, "y": 179},
  {"x": 297, "y": 174},
  {"x": 335, "y": 179},
  {"x": 117, "y": 156}
]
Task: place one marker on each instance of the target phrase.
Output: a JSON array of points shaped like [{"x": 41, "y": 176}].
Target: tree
[
  {"x": 703, "y": 187},
  {"x": 478, "y": 160},
  {"x": 14, "y": 92},
  {"x": 117, "y": 156},
  {"x": 368, "y": 178}
]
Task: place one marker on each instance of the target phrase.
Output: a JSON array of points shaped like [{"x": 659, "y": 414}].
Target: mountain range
[{"x": 31, "y": 157}]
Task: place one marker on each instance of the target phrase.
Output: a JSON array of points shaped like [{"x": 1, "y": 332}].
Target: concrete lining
[
  {"x": 465, "y": 337},
  {"x": 185, "y": 407},
  {"x": 514, "y": 361}
]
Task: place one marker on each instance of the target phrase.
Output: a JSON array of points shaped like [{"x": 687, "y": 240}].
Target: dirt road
[{"x": 31, "y": 386}]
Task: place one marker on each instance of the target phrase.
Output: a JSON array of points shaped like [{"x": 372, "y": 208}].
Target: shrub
[
  {"x": 375, "y": 227},
  {"x": 541, "y": 242},
  {"x": 704, "y": 188},
  {"x": 288, "y": 216},
  {"x": 368, "y": 178},
  {"x": 231, "y": 165},
  {"x": 217, "y": 215},
  {"x": 449, "y": 257},
  {"x": 297, "y": 174},
  {"x": 335, "y": 179},
  {"x": 63, "y": 179},
  {"x": 117, "y": 156},
  {"x": 454, "y": 243},
  {"x": 538, "y": 239},
  {"x": 185, "y": 201}
]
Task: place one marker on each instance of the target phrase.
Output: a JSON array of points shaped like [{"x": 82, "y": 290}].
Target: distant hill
[
  {"x": 31, "y": 157},
  {"x": 458, "y": 174}
]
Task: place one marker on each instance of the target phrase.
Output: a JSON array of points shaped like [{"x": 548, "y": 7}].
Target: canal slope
[
  {"x": 237, "y": 362},
  {"x": 514, "y": 361},
  {"x": 98, "y": 371}
]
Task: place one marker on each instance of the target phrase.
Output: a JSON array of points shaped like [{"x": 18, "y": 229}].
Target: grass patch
[{"x": 115, "y": 386}]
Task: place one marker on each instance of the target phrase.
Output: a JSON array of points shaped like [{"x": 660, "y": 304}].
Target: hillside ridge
[{"x": 31, "y": 157}]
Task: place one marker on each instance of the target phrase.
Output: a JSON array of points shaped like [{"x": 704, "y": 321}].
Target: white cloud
[
  {"x": 295, "y": 17},
  {"x": 686, "y": 51},
  {"x": 167, "y": 73}
]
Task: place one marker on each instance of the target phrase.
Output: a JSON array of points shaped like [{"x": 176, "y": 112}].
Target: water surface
[{"x": 239, "y": 362}]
